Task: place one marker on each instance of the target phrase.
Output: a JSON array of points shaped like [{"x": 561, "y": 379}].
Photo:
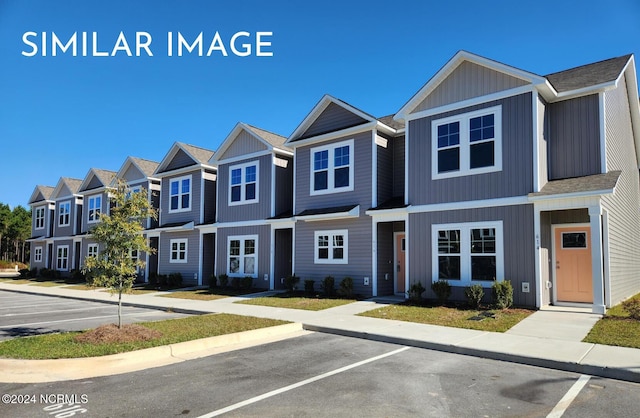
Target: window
[
  {"x": 134, "y": 189},
  {"x": 180, "y": 194},
  {"x": 574, "y": 240},
  {"x": 469, "y": 253},
  {"x": 64, "y": 213},
  {"x": 62, "y": 258},
  {"x": 331, "y": 247},
  {"x": 332, "y": 168},
  {"x": 467, "y": 144},
  {"x": 37, "y": 254},
  {"x": 92, "y": 250},
  {"x": 94, "y": 208},
  {"x": 243, "y": 256},
  {"x": 40, "y": 217},
  {"x": 178, "y": 251},
  {"x": 243, "y": 183}
]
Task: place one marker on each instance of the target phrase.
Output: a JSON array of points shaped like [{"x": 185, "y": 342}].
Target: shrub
[
  {"x": 246, "y": 282},
  {"x": 502, "y": 294},
  {"x": 442, "y": 289},
  {"x": 346, "y": 287},
  {"x": 308, "y": 286},
  {"x": 34, "y": 272},
  {"x": 77, "y": 276},
  {"x": 415, "y": 291},
  {"x": 174, "y": 279},
  {"x": 212, "y": 281},
  {"x": 224, "y": 280},
  {"x": 632, "y": 307},
  {"x": 327, "y": 285},
  {"x": 235, "y": 283},
  {"x": 474, "y": 294},
  {"x": 290, "y": 282},
  {"x": 25, "y": 273}
]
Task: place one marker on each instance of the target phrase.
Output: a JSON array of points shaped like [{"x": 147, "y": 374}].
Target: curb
[
  {"x": 606, "y": 372},
  {"x": 41, "y": 371}
]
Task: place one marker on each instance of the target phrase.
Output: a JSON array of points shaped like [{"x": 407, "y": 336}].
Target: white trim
[
  {"x": 536, "y": 142},
  {"x": 603, "y": 133},
  {"x": 592, "y": 193},
  {"x": 178, "y": 251},
  {"x": 465, "y": 251},
  {"x": 406, "y": 164},
  {"x": 202, "y": 198},
  {"x": 36, "y": 217},
  {"x": 180, "y": 194},
  {"x": 331, "y": 169},
  {"x": 272, "y": 197},
  {"x": 243, "y": 183},
  {"x": 606, "y": 261},
  {"x": 256, "y": 222},
  {"x": 91, "y": 246},
  {"x": 469, "y": 204},
  {"x": 374, "y": 259},
  {"x": 184, "y": 170},
  {"x": 189, "y": 226},
  {"x": 538, "y": 258},
  {"x": 97, "y": 209},
  {"x": 36, "y": 258},
  {"x": 242, "y": 255},
  {"x": 295, "y": 180},
  {"x": 60, "y": 204},
  {"x": 58, "y": 258},
  {"x": 272, "y": 257},
  {"x": 330, "y": 246},
  {"x": 385, "y": 214},
  {"x": 200, "y": 258},
  {"x": 374, "y": 169},
  {"x": 334, "y": 135},
  {"x": 464, "y": 145},
  {"x": 250, "y": 156},
  {"x": 353, "y": 213}
]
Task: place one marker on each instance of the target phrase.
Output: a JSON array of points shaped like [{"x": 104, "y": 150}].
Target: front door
[
  {"x": 400, "y": 245},
  {"x": 574, "y": 281}
]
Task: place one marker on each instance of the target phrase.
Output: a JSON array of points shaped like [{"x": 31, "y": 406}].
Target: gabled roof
[
  {"x": 588, "y": 75},
  {"x": 104, "y": 179},
  {"x": 272, "y": 142},
  {"x": 71, "y": 184},
  {"x": 146, "y": 167},
  {"x": 41, "y": 194},
  {"x": 199, "y": 156}
]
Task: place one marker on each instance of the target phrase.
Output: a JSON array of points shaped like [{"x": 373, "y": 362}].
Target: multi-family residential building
[{"x": 488, "y": 173}]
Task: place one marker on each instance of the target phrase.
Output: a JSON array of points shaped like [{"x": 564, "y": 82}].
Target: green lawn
[
  {"x": 493, "y": 320},
  {"x": 616, "y": 328},
  {"x": 173, "y": 331},
  {"x": 196, "y": 295},
  {"x": 283, "y": 300}
]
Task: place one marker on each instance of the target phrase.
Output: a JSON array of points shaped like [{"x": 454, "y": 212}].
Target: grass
[
  {"x": 173, "y": 331},
  {"x": 501, "y": 321},
  {"x": 46, "y": 284},
  {"x": 285, "y": 300},
  {"x": 16, "y": 281},
  {"x": 210, "y": 294},
  {"x": 616, "y": 328},
  {"x": 83, "y": 287}
]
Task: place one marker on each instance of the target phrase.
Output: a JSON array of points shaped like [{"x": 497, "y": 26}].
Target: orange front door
[
  {"x": 400, "y": 260},
  {"x": 574, "y": 282}
]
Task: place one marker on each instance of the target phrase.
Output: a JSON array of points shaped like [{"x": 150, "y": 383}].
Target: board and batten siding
[
  {"x": 333, "y": 118},
  {"x": 359, "y": 253},
  {"x": 622, "y": 206},
  {"x": 243, "y": 144},
  {"x": 189, "y": 270},
  {"x": 515, "y": 179},
  {"x": 284, "y": 185},
  {"x": 574, "y": 138},
  {"x": 249, "y": 211},
  {"x": 196, "y": 194},
  {"x": 264, "y": 250},
  {"x": 518, "y": 240},
  {"x": 180, "y": 160},
  {"x": 361, "y": 193},
  {"x": 467, "y": 81},
  {"x": 132, "y": 174},
  {"x": 543, "y": 142},
  {"x": 398, "y": 144},
  {"x": 384, "y": 155}
]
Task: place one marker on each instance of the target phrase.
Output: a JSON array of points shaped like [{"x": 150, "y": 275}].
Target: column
[{"x": 597, "y": 267}]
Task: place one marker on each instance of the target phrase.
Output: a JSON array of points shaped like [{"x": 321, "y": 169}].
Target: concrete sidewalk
[{"x": 546, "y": 339}]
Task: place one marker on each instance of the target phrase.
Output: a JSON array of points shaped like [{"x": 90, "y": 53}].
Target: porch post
[
  {"x": 537, "y": 266},
  {"x": 595, "y": 217}
]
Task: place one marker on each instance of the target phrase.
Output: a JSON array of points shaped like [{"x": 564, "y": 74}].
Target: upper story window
[
  {"x": 180, "y": 194},
  {"x": 243, "y": 183},
  {"x": 470, "y": 143},
  {"x": 64, "y": 214},
  {"x": 94, "y": 208},
  {"x": 40, "y": 217},
  {"x": 332, "y": 168}
]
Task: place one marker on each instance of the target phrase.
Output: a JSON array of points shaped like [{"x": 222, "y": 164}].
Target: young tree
[{"x": 118, "y": 233}]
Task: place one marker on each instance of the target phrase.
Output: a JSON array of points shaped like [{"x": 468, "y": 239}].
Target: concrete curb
[
  {"x": 40, "y": 371},
  {"x": 592, "y": 370}
]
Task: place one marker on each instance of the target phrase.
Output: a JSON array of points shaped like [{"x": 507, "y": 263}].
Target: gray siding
[
  {"x": 32, "y": 263},
  {"x": 574, "y": 141},
  {"x": 284, "y": 187},
  {"x": 243, "y": 144},
  {"x": 398, "y": 145},
  {"x": 543, "y": 142},
  {"x": 361, "y": 193},
  {"x": 359, "y": 253},
  {"x": 104, "y": 208},
  {"x": 384, "y": 157},
  {"x": 196, "y": 195},
  {"x": 624, "y": 217},
  {"x": 467, "y": 81},
  {"x": 189, "y": 270},
  {"x": 515, "y": 179},
  {"x": 180, "y": 160},
  {"x": 132, "y": 174},
  {"x": 264, "y": 250},
  {"x": 260, "y": 210},
  {"x": 42, "y": 232},
  {"x": 333, "y": 118},
  {"x": 63, "y": 231},
  {"x": 94, "y": 184},
  {"x": 518, "y": 240}
]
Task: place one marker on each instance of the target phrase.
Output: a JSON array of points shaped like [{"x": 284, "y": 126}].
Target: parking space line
[
  {"x": 77, "y": 319},
  {"x": 299, "y": 384},
  {"x": 568, "y": 397},
  {"x": 62, "y": 302},
  {"x": 11, "y": 315}
]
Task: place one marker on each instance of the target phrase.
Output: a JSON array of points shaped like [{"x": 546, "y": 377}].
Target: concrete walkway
[{"x": 547, "y": 338}]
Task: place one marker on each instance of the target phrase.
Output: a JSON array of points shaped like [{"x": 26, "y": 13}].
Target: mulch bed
[{"x": 106, "y": 334}]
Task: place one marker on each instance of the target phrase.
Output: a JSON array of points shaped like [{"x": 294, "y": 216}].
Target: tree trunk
[{"x": 120, "y": 306}]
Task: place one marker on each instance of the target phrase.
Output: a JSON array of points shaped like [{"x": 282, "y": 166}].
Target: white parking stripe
[
  {"x": 31, "y": 305},
  {"x": 566, "y": 400},
  {"x": 61, "y": 311},
  {"x": 297, "y": 385},
  {"x": 76, "y": 319}
]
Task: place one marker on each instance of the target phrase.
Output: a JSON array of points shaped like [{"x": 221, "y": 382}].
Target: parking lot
[{"x": 24, "y": 314}]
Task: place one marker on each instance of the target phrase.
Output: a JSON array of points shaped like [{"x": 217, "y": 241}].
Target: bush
[
  {"x": 290, "y": 282},
  {"x": 308, "y": 286},
  {"x": 235, "y": 283},
  {"x": 502, "y": 294},
  {"x": 442, "y": 289},
  {"x": 77, "y": 276},
  {"x": 34, "y": 272},
  {"x": 474, "y": 294},
  {"x": 212, "y": 281},
  {"x": 174, "y": 279},
  {"x": 415, "y": 291},
  {"x": 346, "y": 287},
  {"x": 224, "y": 280},
  {"x": 632, "y": 307},
  {"x": 327, "y": 286},
  {"x": 246, "y": 282},
  {"x": 25, "y": 273}
]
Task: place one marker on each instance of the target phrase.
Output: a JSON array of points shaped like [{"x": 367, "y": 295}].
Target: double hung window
[
  {"x": 243, "y": 183},
  {"x": 331, "y": 247},
  {"x": 332, "y": 168},
  {"x": 94, "y": 208},
  {"x": 178, "y": 251},
  {"x": 64, "y": 214},
  {"x": 180, "y": 194},
  {"x": 242, "y": 256},
  {"x": 40, "y": 217}
]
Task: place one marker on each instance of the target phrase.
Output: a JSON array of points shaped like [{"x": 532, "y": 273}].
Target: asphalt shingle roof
[
  {"x": 593, "y": 183},
  {"x": 203, "y": 155},
  {"x": 588, "y": 75},
  {"x": 273, "y": 139},
  {"x": 148, "y": 167}
]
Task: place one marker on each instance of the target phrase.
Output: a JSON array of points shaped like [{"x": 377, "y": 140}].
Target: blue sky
[{"x": 61, "y": 116}]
